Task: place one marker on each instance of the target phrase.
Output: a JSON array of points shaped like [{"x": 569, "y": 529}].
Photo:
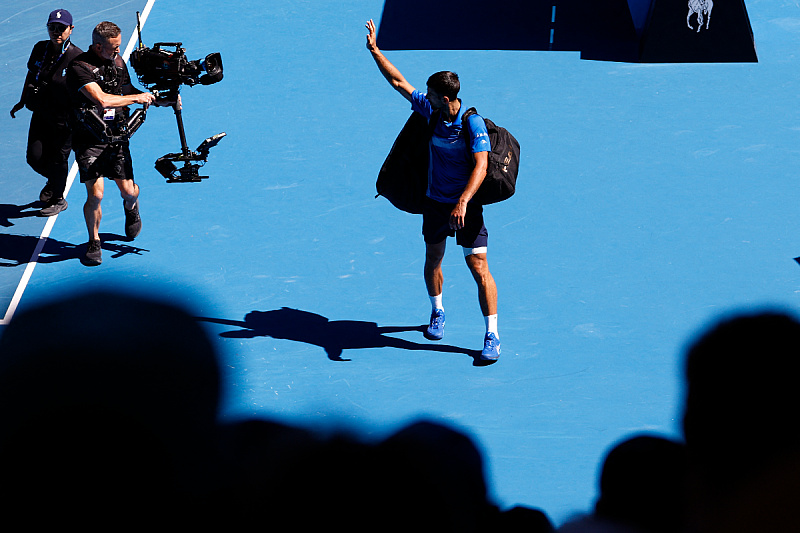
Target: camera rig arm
[
  {"x": 163, "y": 71},
  {"x": 166, "y": 164}
]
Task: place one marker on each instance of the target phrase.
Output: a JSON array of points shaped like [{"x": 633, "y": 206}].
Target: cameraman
[
  {"x": 100, "y": 86},
  {"x": 45, "y": 94}
]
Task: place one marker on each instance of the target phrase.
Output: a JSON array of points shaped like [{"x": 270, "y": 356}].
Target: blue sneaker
[
  {"x": 435, "y": 330},
  {"x": 491, "y": 347}
]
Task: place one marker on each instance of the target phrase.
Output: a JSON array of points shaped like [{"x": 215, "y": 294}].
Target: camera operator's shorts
[
  {"x": 112, "y": 161},
  {"x": 436, "y": 224}
]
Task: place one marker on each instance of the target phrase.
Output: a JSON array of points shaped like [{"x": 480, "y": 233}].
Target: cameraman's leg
[
  {"x": 92, "y": 211},
  {"x": 90, "y": 165},
  {"x": 123, "y": 177},
  {"x": 129, "y": 191}
]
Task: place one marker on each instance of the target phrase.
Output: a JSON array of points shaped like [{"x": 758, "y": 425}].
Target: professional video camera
[{"x": 163, "y": 71}]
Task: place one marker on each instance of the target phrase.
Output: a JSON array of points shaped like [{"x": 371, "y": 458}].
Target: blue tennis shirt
[{"x": 450, "y": 162}]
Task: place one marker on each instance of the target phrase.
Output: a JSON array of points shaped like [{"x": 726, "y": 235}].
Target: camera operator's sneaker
[
  {"x": 94, "y": 253},
  {"x": 53, "y": 208},
  {"x": 435, "y": 330},
  {"x": 491, "y": 347},
  {"x": 133, "y": 222},
  {"x": 47, "y": 194}
]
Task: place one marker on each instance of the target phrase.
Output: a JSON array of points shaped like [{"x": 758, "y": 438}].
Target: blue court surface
[{"x": 652, "y": 199}]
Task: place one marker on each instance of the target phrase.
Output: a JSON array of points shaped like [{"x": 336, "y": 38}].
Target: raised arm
[{"x": 388, "y": 70}]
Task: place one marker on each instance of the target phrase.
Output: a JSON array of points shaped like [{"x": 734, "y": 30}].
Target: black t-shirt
[
  {"x": 110, "y": 75},
  {"x": 88, "y": 67},
  {"x": 47, "y": 70}
]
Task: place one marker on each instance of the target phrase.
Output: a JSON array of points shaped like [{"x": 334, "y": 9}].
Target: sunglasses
[{"x": 57, "y": 28}]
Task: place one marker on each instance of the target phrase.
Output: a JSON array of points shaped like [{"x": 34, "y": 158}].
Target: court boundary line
[{"x": 73, "y": 171}]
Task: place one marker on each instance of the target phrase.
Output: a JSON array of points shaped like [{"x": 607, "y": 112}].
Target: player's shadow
[
  {"x": 334, "y": 336},
  {"x": 16, "y": 250},
  {"x": 8, "y": 212}
]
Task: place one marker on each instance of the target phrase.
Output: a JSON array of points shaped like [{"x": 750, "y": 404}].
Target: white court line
[{"x": 73, "y": 171}]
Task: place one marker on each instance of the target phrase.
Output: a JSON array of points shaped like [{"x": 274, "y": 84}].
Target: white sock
[
  {"x": 491, "y": 324},
  {"x": 436, "y": 302}
]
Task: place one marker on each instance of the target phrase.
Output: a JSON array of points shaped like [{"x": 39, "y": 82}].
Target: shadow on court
[
  {"x": 16, "y": 250},
  {"x": 12, "y": 211},
  {"x": 334, "y": 336}
]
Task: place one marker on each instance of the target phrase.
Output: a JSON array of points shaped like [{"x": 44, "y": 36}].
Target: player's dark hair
[{"x": 445, "y": 83}]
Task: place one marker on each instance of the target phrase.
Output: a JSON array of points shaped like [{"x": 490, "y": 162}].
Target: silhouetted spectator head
[
  {"x": 642, "y": 484},
  {"x": 742, "y": 401},
  {"x": 109, "y": 399},
  {"x": 521, "y": 519},
  {"x": 440, "y": 470},
  {"x": 261, "y": 459}
]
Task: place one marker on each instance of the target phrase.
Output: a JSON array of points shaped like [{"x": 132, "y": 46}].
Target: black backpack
[
  {"x": 403, "y": 178},
  {"x": 501, "y": 176}
]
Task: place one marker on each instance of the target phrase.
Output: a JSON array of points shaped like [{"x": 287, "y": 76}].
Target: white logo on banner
[{"x": 700, "y": 7}]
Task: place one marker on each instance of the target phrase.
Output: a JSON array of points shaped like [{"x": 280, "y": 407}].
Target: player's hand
[
  {"x": 371, "y": 36},
  {"x": 458, "y": 216},
  {"x": 16, "y": 108}
]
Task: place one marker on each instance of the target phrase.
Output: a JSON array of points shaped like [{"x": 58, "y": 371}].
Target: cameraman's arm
[{"x": 94, "y": 93}]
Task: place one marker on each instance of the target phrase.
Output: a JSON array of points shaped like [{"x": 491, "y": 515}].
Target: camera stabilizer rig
[{"x": 163, "y": 72}]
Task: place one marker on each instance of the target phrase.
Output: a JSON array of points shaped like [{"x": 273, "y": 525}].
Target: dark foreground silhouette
[{"x": 108, "y": 418}]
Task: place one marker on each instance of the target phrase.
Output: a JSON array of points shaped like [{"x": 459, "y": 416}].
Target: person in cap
[{"x": 45, "y": 94}]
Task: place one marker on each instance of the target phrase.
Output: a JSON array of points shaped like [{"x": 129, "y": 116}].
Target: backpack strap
[
  {"x": 465, "y": 131},
  {"x": 465, "y": 122}
]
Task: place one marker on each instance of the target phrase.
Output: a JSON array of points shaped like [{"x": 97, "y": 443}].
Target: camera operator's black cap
[{"x": 60, "y": 16}]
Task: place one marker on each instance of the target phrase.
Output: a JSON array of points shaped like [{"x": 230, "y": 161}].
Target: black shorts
[
  {"x": 436, "y": 224},
  {"x": 111, "y": 161}
]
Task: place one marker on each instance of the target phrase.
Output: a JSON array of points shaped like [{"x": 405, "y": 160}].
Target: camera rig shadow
[{"x": 162, "y": 69}]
